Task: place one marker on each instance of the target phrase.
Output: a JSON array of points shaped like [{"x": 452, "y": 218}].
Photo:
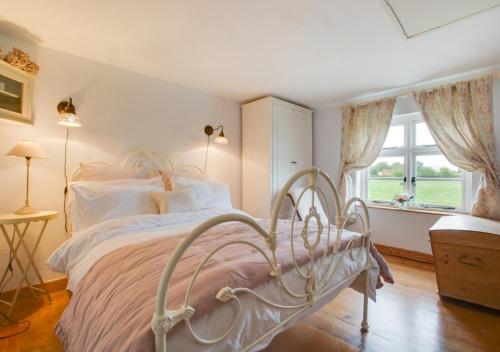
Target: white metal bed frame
[{"x": 315, "y": 287}]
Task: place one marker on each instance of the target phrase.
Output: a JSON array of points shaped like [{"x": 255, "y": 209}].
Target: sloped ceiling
[
  {"x": 312, "y": 52},
  {"x": 418, "y": 17}
]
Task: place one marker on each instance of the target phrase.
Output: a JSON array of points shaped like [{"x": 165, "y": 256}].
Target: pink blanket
[{"x": 112, "y": 307}]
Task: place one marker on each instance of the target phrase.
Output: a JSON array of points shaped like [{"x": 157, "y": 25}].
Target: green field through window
[{"x": 427, "y": 192}]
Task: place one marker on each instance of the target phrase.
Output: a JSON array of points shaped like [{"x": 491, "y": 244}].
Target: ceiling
[
  {"x": 311, "y": 52},
  {"x": 418, "y": 17}
]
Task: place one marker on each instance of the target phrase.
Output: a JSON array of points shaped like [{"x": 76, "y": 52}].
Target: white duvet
[{"x": 77, "y": 255}]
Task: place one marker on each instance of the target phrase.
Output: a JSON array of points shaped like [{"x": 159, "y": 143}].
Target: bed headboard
[{"x": 150, "y": 159}]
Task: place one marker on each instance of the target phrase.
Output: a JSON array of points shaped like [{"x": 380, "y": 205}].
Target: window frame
[{"x": 410, "y": 152}]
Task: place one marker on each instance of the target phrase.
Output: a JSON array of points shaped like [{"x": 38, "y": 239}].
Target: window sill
[{"x": 414, "y": 210}]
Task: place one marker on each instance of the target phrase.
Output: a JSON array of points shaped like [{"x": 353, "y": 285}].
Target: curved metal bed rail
[{"x": 312, "y": 234}]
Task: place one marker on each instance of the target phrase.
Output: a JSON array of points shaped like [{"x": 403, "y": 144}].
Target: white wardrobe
[{"x": 276, "y": 143}]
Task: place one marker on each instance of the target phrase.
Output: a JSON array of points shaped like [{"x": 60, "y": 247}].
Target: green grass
[{"x": 427, "y": 192}]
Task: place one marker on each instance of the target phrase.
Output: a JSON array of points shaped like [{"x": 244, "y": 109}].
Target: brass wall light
[
  {"x": 220, "y": 139},
  {"x": 68, "y": 116},
  {"x": 69, "y": 119}
]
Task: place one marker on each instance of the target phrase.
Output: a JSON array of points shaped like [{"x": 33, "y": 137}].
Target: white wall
[
  {"x": 392, "y": 228},
  {"x": 327, "y": 128},
  {"x": 120, "y": 111}
]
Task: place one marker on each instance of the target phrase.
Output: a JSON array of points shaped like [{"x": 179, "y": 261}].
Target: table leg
[
  {"x": 24, "y": 270},
  {"x": 6, "y": 271},
  {"x": 14, "y": 250},
  {"x": 20, "y": 240},
  {"x": 31, "y": 262}
]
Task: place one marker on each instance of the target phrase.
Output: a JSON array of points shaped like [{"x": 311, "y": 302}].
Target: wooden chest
[{"x": 466, "y": 253}]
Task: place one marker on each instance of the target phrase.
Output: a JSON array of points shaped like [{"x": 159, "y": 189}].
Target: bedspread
[{"x": 112, "y": 306}]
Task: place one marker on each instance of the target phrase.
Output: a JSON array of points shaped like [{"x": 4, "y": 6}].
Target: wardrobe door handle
[{"x": 293, "y": 162}]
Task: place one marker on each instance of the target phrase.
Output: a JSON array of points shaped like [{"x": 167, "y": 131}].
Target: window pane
[
  {"x": 430, "y": 190},
  {"x": 11, "y": 94},
  {"x": 395, "y": 137},
  {"x": 422, "y": 135},
  {"x": 447, "y": 193},
  {"x": 436, "y": 166},
  {"x": 386, "y": 176}
]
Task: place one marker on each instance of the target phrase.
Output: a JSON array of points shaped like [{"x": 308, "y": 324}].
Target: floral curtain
[
  {"x": 460, "y": 118},
  {"x": 364, "y": 128}
]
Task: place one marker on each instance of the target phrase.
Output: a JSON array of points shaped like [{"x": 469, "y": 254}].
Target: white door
[
  {"x": 282, "y": 150},
  {"x": 282, "y": 142},
  {"x": 302, "y": 140}
]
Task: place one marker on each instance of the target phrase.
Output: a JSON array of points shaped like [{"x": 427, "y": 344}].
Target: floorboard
[{"x": 408, "y": 316}]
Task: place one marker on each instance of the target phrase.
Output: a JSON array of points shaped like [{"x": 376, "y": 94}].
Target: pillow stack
[{"x": 102, "y": 192}]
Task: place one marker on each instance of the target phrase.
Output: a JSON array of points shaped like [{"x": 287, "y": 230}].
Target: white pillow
[
  {"x": 101, "y": 172},
  {"x": 209, "y": 194},
  {"x": 182, "y": 200},
  {"x": 306, "y": 202},
  {"x": 169, "y": 174},
  {"x": 95, "y": 202},
  {"x": 219, "y": 196}
]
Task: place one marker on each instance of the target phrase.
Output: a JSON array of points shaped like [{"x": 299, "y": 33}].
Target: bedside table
[{"x": 19, "y": 232}]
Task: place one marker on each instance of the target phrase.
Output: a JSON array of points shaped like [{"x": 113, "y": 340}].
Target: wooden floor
[{"x": 408, "y": 316}]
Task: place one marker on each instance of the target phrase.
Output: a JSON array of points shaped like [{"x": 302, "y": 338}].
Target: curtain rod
[{"x": 408, "y": 90}]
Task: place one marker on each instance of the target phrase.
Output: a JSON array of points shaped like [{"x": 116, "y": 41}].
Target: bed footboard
[{"x": 321, "y": 240}]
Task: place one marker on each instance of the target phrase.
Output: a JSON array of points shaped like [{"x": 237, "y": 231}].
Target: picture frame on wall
[{"x": 16, "y": 94}]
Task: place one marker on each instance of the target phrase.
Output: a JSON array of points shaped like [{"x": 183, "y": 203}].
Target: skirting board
[
  {"x": 405, "y": 253},
  {"x": 51, "y": 286}
]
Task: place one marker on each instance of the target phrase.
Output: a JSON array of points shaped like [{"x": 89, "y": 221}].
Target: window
[
  {"x": 411, "y": 162},
  {"x": 386, "y": 177}
]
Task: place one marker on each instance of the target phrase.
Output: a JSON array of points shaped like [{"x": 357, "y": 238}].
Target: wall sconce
[
  {"x": 67, "y": 118},
  {"x": 220, "y": 139}
]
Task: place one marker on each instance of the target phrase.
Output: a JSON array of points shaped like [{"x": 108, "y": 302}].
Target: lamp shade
[
  {"x": 68, "y": 116},
  {"x": 27, "y": 149},
  {"x": 221, "y": 139},
  {"x": 69, "y": 119}
]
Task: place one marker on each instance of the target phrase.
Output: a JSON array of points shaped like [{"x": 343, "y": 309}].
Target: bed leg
[
  {"x": 364, "y": 323},
  {"x": 160, "y": 345}
]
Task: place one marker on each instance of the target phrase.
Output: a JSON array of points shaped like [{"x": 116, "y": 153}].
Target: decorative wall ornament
[{"x": 18, "y": 58}]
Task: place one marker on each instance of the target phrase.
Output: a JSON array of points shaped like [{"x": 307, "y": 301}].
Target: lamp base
[{"x": 26, "y": 210}]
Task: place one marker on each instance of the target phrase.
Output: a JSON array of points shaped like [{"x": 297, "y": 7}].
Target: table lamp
[{"x": 28, "y": 150}]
